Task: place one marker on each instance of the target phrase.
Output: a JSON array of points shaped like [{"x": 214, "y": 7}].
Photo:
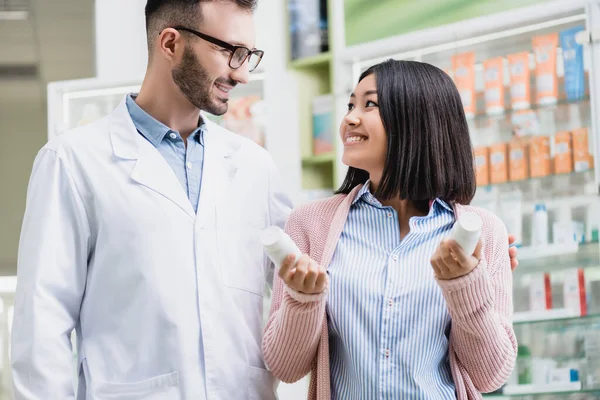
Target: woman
[{"x": 399, "y": 312}]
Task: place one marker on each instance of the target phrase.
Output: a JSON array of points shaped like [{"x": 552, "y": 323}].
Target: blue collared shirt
[
  {"x": 388, "y": 320},
  {"x": 186, "y": 162}
]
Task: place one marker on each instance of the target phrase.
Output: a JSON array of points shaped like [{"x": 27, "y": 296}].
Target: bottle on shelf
[{"x": 539, "y": 231}]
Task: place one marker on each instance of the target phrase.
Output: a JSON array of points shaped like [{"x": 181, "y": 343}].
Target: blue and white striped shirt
[{"x": 388, "y": 320}]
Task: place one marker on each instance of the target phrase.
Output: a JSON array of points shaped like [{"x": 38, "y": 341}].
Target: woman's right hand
[{"x": 304, "y": 276}]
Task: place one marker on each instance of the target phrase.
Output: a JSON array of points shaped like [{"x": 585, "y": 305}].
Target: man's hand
[{"x": 512, "y": 253}]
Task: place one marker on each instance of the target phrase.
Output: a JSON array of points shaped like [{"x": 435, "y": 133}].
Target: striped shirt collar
[{"x": 365, "y": 195}]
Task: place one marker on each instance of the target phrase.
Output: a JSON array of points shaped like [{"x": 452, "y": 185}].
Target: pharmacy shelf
[
  {"x": 311, "y": 62},
  {"x": 319, "y": 159},
  {"x": 558, "y": 202},
  {"x": 560, "y": 105},
  {"x": 535, "y": 253},
  {"x": 556, "y": 315},
  {"x": 554, "y": 181},
  {"x": 541, "y": 390},
  {"x": 557, "y": 257},
  {"x": 521, "y": 390}
]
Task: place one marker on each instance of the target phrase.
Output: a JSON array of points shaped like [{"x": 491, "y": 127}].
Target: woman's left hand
[{"x": 450, "y": 261}]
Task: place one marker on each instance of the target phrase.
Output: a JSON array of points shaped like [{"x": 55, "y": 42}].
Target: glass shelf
[
  {"x": 560, "y": 315},
  {"x": 542, "y": 393},
  {"x": 319, "y": 159},
  {"x": 551, "y": 182},
  {"x": 559, "y": 107},
  {"x": 556, "y": 257}
]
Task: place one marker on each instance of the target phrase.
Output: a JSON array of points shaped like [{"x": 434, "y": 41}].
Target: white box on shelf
[
  {"x": 540, "y": 292},
  {"x": 574, "y": 290}
]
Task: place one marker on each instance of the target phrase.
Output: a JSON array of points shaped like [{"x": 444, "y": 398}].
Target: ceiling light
[{"x": 13, "y": 15}]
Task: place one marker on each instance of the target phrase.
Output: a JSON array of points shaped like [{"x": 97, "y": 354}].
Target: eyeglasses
[{"x": 239, "y": 54}]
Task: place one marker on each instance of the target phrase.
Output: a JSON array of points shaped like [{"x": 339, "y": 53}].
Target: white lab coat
[{"x": 111, "y": 246}]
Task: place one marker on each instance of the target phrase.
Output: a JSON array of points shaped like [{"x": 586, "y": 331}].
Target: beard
[{"x": 195, "y": 84}]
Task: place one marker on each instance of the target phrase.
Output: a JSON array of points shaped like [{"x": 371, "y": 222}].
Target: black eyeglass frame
[{"x": 227, "y": 46}]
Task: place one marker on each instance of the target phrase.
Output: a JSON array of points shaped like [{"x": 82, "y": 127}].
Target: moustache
[{"x": 227, "y": 82}]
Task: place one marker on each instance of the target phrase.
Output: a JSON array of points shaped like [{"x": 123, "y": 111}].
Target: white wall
[
  {"x": 58, "y": 38},
  {"x": 283, "y": 139},
  {"x": 120, "y": 28}
]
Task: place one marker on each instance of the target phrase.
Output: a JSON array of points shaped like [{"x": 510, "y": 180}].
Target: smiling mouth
[
  {"x": 355, "y": 139},
  {"x": 222, "y": 88}
]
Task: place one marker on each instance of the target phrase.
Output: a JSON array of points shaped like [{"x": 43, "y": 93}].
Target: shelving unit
[
  {"x": 314, "y": 78},
  {"x": 490, "y": 36}
]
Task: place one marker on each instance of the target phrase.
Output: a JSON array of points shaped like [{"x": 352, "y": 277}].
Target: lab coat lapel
[
  {"x": 218, "y": 173},
  {"x": 151, "y": 169}
]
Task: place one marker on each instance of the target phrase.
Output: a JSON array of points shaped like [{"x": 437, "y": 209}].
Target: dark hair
[
  {"x": 429, "y": 151},
  {"x": 161, "y": 14}
]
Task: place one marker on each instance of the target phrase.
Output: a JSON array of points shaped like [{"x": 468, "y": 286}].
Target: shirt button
[
  {"x": 395, "y": 257},
  {"x": 389, "y": 215},
  {"x": 173, "y": 136},
  {"x": 387, "y": 353},
  {"x": 189, "y": 165},
  {"x": 391, "y": 303}
]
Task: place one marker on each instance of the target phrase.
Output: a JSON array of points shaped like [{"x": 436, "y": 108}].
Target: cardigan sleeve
[
  {"x": 293, "y": 331},
  {"x": 480, "y": 305}
]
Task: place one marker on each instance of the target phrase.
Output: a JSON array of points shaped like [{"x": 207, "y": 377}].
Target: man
[{"x": 142, "y": 231}]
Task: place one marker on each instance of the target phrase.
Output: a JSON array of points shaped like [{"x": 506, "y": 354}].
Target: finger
[
  {"x": 448, "y": 258},
  {"x": 458, "y": 254},
  {"x": 477, "y": 251},
  {"x": 514, "y": 261},
  {"x": 511, "y": 239},
  {"x": 311, "y": 277},
  {"x": 321, "y": 280},
  {"x": 300, "y": 272},
  {"x": 286, "y": 266},
  {"x": 440, "y": 269}
]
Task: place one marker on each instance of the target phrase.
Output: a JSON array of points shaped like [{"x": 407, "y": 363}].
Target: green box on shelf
[{"x": 323, "y": 138}]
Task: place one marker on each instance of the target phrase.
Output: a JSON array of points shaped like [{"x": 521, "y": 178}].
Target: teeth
[
  {"x": 355, "y": 139},
  {"x": 226, "y": 90}
]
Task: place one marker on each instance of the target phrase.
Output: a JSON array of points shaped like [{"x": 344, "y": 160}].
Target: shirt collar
[
  {"x": 152, "y": 129},
  {"x": 365, "y": 195}
]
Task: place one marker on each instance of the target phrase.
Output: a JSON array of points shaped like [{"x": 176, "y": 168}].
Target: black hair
[
  {"x": 161, "y": 14},
  {"x": 429, "y": 151}
]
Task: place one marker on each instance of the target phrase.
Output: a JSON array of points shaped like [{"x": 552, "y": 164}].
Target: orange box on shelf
[
  {"x": 482, "y": 165},
  {"x": 463, "y": 71},
  {"x": 546, "y": 80},
  {"x": 563, "y": 153},
  {"x": 582, "y": 159},
  {"x": 493, "y": 76},
  {"x": 539, "y": 156},
  {"x": 517, "y": 159},
  {"x": 498, "y": 163},
  {"x": 520, "y": 85}
]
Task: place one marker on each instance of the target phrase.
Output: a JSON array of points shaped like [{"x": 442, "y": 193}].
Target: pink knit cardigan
[{"x": 482, "y": 345}]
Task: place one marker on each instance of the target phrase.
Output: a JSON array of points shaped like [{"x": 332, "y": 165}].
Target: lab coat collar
[{"x": 152, "y": 170}]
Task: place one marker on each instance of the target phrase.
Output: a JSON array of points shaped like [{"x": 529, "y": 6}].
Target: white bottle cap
[
  {"x": 278, "y": 244},
  {"x": 470, "y": 222},
  {"x": 269, "y": 237},
  {"x": 466, "y": 231}
]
